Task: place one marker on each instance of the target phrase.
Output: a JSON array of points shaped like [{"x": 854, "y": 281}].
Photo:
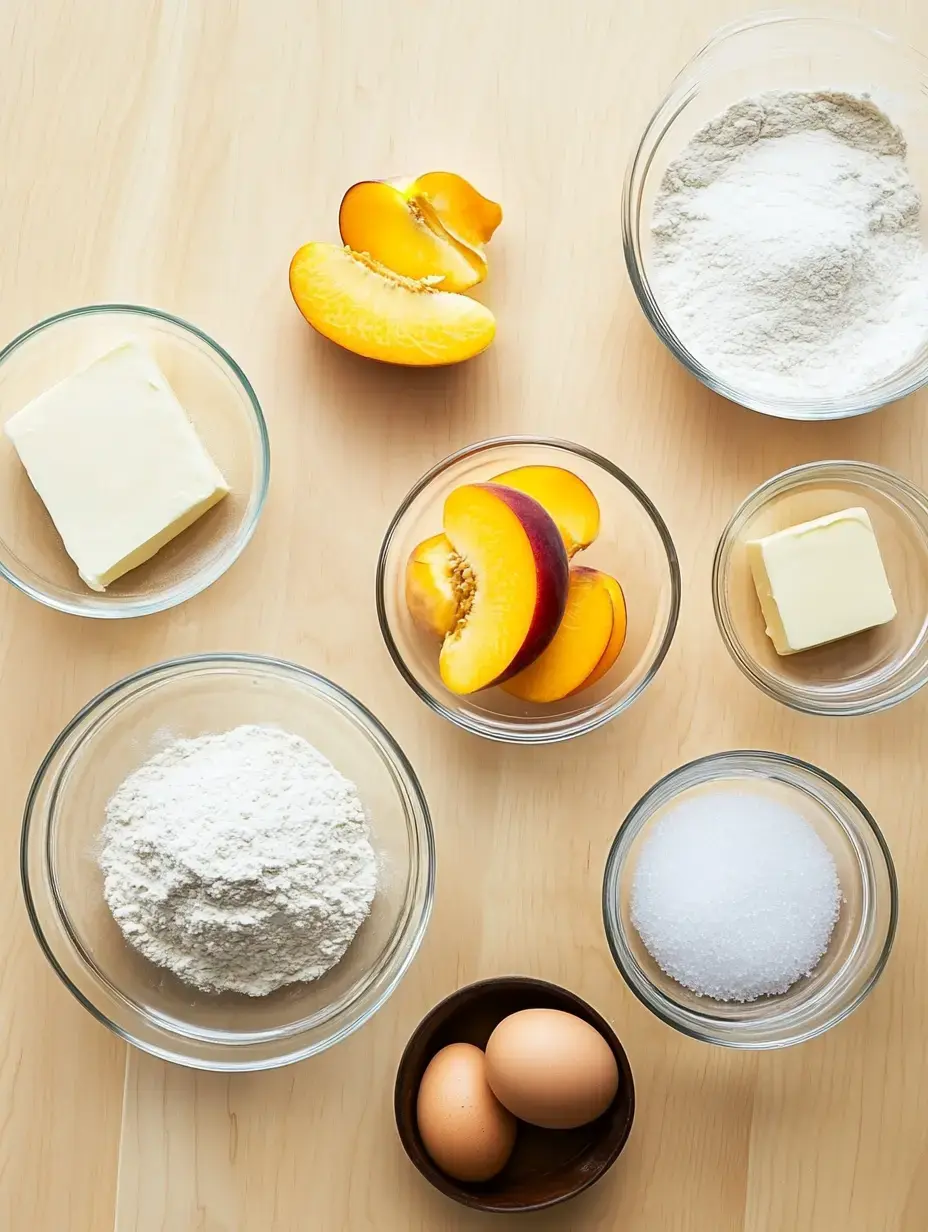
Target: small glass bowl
[
  {"x": 634, "y": 545},
  {"x": 856, "y": 675},
  {"x": 148, "y": 1006},
  {"x": 774, "y": 51},
  {"x": 221, "y": 405},
  {"x": 863, "y": 935}
]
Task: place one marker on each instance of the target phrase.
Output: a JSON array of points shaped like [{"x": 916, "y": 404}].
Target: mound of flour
[
  {"x": 240, "y": 861},
  {"x": 787, "y": 247}
]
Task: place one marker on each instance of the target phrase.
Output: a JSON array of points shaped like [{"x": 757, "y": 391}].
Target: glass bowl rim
[
  {"x": 526, "y": 736},
  {"x": 689, "y": 1022},
  {"x": 418, "y": 819},
  {"x": 869, "y": 474},
  {"x": 201, "y": 580},
  {"x": 675, "y": 98}
]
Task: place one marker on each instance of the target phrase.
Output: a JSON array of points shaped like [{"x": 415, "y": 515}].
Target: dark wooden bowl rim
[{"x": 474, "y": 1002}]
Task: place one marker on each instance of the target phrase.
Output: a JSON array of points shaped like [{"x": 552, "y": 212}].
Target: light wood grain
[{"x": 176, "y": 152}]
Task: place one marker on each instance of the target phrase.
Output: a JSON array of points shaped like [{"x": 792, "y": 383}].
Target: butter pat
[
  {"x": 117, "y": 463},
  {"x": 820, "y": 581}
]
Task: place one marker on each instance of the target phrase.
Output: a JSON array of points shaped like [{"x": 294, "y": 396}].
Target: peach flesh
[
  {"x": 566, "y": 497},
  {"x": 466, "y": 214},
  {"x": 365, "y": 308},
  {"x": 619, "y": 631},
  {"x": 520, "y": 576},
  {"x": 404, "y": 234},
  {"x": 577, "y": 647},
  {"x": 430, "y": 586}
]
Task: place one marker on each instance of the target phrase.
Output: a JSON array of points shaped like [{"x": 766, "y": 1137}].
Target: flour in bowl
[
  {"x": 788, "y": 254},
  {"x": 240, "y": 861}
]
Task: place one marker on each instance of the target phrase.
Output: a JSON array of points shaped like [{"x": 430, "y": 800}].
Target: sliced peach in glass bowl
[
  {"x": 566, "y": 497},
  {"x": 433, "y": 576},
  {"x": 576, "y": 649},
  {"x": 507, "y": 580},
  {"x": 366, "y": 308},
  {"x": 432, "y": 227},
  {"x": 618, "y": 635},
  {"x": 633, "y": 547}
]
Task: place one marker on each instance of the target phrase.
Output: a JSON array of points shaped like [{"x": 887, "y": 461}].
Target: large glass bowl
[
  {"x": 223, "y": 408},
  {"x": 775, "y": 51},
  {"x": 147, "y": 1005},
  {"x": 862, "y": 937},
  {"x": 862, "y": 674},
  {"x": 633, "y": 545}
]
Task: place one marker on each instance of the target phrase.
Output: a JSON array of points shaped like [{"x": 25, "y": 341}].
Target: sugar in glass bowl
[
  {"x": 863, "y": 935},
  {"x": 775, "y": 51},
  {"x": 855, "y": 675},
  {"x": 634, "y": 545},
  {"x": 149, "y": 1006},
  {"x": 223, "y": 408}
]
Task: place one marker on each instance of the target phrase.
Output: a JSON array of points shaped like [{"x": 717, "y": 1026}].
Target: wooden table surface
[{"x": 176, "y": 153}]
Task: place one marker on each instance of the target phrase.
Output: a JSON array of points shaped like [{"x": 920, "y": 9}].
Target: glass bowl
[
  {"x": 856, "y": 675},
  {"x": 634, "y": 546},
  {"x": 863, "y": 934},
  {"x": 775, "y": 51},
  {"x": 221, "y": 405},
  {"x": 147, "y": 1005}
]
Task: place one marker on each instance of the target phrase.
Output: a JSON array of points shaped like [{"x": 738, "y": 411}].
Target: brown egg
[
  {"x": 551, "y": 1069},
  {"x": 464, "y": 1128}
]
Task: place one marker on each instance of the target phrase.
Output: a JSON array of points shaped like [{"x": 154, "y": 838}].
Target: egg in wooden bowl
[{"x": 488, "y": 1060}]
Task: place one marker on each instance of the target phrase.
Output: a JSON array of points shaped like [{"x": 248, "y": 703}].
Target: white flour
[
  {"x": 239, "y": 861},
  {"x": 787, "y": 249}
]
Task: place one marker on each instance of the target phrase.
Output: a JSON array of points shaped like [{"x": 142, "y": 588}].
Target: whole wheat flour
[
  {"x": 239, "y": 861},
  {"x": 787, "y": 246}
]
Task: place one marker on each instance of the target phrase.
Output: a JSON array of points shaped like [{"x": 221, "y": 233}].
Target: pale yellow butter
[
  {"x": 117, "y": 463},
  {"x": 820, "y": 581}
]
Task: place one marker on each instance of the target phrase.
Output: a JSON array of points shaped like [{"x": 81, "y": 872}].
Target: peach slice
[
  {"x": 464, "y": 213},
  {"x": 578, "y": 646},
  {"x": 434, "y": 227},
  {"x": 619, "y": 630},
  {"x": 405, "y": 235},
  {"x": 509, "y": 582},
  {"x": 431, "y": 583},
  {"x": 565, "y": 496},
  {"x": 366, "y": 308}
]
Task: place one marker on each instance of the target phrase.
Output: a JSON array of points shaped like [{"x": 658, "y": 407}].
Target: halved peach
[
  {"x": 366, "y": 308},
  {"x": 619, "y": 630},
  {"x": 578, "y": 646},
  {"x": 431, "y": 585},
  {"x": 565, "y": 496},
  {"x": 509, "y": 578},
  {"x": 404, "y": 234},
  {"x": 431, "y": 227}
]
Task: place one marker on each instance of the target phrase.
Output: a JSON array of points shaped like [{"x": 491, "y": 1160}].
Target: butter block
[
  {"x": 821, "y": 581},
  {"x": 117, "y": 463}
]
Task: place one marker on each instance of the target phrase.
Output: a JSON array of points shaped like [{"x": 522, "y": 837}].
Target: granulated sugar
[{"x": 735, "y": 895}]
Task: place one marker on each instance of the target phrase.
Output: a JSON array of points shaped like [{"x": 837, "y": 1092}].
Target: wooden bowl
[{"x": 547, "y": 1166}]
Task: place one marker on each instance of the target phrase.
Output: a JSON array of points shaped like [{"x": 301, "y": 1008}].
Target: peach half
[
  {"x": 584, "y": 641},
  {"x": 565, "y": 496},
  {"x": 432, "y": 227},
  {"x": 366, "y": 308},
  {"x": 509, "y": 578}
]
